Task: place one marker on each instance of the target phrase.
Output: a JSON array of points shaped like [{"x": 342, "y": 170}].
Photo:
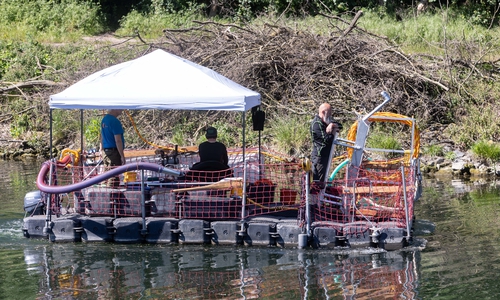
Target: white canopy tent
[{"x": 158, "y": 80}]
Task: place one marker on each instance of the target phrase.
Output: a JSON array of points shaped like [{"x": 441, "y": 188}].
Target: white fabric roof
[{"x": 158, "y": 80}]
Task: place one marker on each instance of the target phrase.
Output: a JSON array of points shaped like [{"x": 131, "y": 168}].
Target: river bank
[{"x": 463, "y": 165}]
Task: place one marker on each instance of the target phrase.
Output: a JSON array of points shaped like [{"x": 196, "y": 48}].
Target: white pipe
[
  {"x": 143, "y": 205},
  {"x": 387, "y": 99}
]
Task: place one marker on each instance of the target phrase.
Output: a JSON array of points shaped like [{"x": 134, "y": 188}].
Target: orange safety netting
[
  {"x": 273, "y": 186},
  {"x": 214, "y": 195},
  {"x": 368, "y": 199}
]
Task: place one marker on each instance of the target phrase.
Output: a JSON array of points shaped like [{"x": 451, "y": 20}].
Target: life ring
[
  {"x": 306, "y": 164},
  {"x": 75, "y": 154}
]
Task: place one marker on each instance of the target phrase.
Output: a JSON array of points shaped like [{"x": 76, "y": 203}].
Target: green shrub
[
  {"x": 66, "y": 126},
  {"x": 487, "y": 150},
  {"x": 24, "y": 60},
  {"x": 291, "y": 135},
  {"x": 381, "y": 136},
  {"x": 19, "y": 126},
  {"x": 450, "y": 155},
  {"x": 478, "y": 122},
  {"x": 433, "y": 150},
  {"x": 45, "y": 19},
  {"x": 92, "y": 132},
  {"x": 178, "y": 136}
]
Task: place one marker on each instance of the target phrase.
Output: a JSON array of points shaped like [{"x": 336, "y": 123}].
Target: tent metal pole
[
  {"x": 260, "y": 159},
  {"x": 48, "y": 197},
  {"x": 144, "y": 230},
  {"x": 50, "y": 133},
  {"x": 81, "y": 136},
  {"x": 244, "y": 192}
]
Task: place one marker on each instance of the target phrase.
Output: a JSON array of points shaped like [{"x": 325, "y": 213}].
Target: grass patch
[
  {"x": 291, "y": 135},
  {"x": 477, "y": 122},
  {"x": 428, "y": 32},
  {"x": 49, "y": 20},
  {"x": 487, "y": 150},
  {"x": 383, "y": 141},
  {"x": 450, "y": 155},
  {"x": 378, "y": 139},
  {"x": 434, "y": 150},
  {"x": 151, "y": 25}
]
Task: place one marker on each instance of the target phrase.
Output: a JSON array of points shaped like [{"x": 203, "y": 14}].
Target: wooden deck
[{"x": 388, "y": 189}]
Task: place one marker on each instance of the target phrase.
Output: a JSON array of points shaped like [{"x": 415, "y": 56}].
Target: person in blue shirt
[{"x": 112, "y": 142}]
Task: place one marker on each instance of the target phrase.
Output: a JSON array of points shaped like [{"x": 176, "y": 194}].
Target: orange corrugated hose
[{"x": 351, "y": 135}]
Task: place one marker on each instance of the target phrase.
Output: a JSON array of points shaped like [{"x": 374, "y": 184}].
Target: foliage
[
  {"x": 479, "y": 13},
  {"x": 428, "y": 32},
  {"x": 383, "y": 137},
  {"x": 179, "y": 135},
  {"x": 463, "y": 55},
  {"x": 6, "y": 57},
  {"x": 19, "y": 126},
  {"x": 31, "y": 59},
  {"x": 55, "y": 19},
  {"x": 227, "y": 134},
  {"x": 487, "y": 150},
  {"x": 450, "y": 155},
  {"x": 246, "y": 10},
  {"x": 38, "y": 140},
  {"x": 476, "y": 122},
  {"x": 433, "y": 150},
  {"x": 66, "y": 123},
  {"x": 47, "y": 18},
  {"x": 92, "y": 131},
  {"x": 291, "y": 134},
  {"x": 383, "y": 141},
  {"x": 26, "y": 123},
  {"x": 151, "y": 24},
  {"x": 22, "y": 60}
]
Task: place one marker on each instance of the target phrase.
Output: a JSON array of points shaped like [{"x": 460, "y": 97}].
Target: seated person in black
[
  {"x": 211, "y": 150},
  {"x": 213, "y": 157}
]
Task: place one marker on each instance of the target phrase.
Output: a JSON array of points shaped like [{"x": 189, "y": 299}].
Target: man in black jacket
[{"x": 323, "y": 129}]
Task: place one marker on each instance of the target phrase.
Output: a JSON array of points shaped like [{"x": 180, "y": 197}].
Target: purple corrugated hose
[{"x": 44, "y": 170}]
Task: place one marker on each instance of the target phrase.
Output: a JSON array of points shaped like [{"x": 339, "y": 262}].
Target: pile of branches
[{"x": 297, "y": 70}]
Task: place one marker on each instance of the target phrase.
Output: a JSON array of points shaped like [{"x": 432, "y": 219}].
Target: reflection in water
[
  {"x": 459, "y": 258},
  {"x": 16, "y": 179},
  {"x": 131, "y": 272}
]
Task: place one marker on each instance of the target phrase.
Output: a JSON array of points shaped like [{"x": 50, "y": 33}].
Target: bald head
[{"x": 325, "y": 112}]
